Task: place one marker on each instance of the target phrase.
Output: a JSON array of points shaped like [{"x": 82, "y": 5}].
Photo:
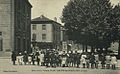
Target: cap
[
  {"x": 20, "y": 53},
  {"x": 69, "y": 51}
]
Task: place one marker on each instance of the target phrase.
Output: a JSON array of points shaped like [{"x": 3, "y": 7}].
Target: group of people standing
[{"x": 52, "y": 58}]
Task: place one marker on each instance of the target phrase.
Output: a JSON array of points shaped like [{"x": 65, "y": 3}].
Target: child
[
  {"x": 30, "y": 59},
  {"x": 20, "y": 59},
  {"x": 83, "y": 60},
  {"x": 96, "y": 60},
  {"x": 113, "y": 62},
  {"x": 42, "y": 59}
]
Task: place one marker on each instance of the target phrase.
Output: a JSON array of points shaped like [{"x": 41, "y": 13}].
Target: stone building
[
  {"x": 15, "y": 17},
  {"x": 46, "y": 33}
]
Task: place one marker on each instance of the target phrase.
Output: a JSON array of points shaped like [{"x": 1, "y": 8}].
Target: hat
[
  {"x": 78, "y": 51},
  {"x": 73, "y": 51},
  {"x": 20, "y": 53},
  {"x": 53, "y": 49},
  {"x": 47, "y": 49},
  {"x": 25, "y": 51},
  {"x": 69, "y": 52},
  {"x": 65, "y": 51},
  {"x": 31, "y": 54}
]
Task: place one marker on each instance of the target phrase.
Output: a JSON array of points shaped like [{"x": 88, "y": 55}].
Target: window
[
  {"x": 34, "y": 27},
  {"x": 34, "y": 36},
  {"x": 43, "y": 36},
  {"x": 43, "y": 27}
]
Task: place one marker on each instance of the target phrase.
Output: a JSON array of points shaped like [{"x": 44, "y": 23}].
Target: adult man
[
  {"x": 38, "y": 60},
  {"x": 75, "y": 58},
  {"x": 52, "y": 58},
  {"x": 37, "y": 57},
  {"x": 47, "y": 58},
  {"x": 96, "y": 60},
  {"x": 108, "y": 59},
  {"x": 13, "y": 56},
  {"x": 88, "y": 61},
  {"x": 103, "y": 61},
  {"x": 71, "y": 58},
  {"x": 33, "y": 59},
  {"x": 60, "y": 59},
  {"x": 25, "y": 57},
  {"x": 78, "y": 59},
  {"x": 92, "y": 60}
]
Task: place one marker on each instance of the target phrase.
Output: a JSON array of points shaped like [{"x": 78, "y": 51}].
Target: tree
[
  {"x": 86, "y": 22},
  {"x": 114, "y": 21}
]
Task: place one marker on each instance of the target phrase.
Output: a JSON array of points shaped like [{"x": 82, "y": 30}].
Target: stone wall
[{"x": 6, "y": 24}]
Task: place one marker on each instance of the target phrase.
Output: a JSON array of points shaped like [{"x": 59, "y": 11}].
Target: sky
[{"x": 51, "y": 8}]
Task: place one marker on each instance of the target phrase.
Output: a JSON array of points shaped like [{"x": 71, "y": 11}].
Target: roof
[
  {"x": 29, "y": 3},
  {"x": 43, "y": 19}
]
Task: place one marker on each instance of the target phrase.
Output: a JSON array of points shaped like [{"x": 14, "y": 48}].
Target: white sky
[{"x": 51, "y": 8}]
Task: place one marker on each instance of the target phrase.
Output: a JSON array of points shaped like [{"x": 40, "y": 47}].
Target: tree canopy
[
  {"x": 114, "y": 21},
  {"x": 89, "y": 22}
]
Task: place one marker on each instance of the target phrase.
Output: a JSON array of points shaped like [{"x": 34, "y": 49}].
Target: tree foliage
[
  {"x": 114, "y": 21},
  {"x": 87, "y": 22}
]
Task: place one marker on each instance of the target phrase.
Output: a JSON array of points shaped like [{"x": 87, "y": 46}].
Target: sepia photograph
[{"x": 59, "y": 36}]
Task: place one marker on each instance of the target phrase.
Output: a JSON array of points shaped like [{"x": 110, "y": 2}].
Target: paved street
[{"x": 6, "y": 67}]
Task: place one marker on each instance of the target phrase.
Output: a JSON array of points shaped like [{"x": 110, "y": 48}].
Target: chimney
[
  {"x": 41, "y": 16},
  {"x": 55, "y": 19}
]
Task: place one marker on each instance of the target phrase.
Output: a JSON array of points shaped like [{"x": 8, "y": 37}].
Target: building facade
[
  {"x": 46, "y": 33},
  {"x": 15, "y": 18}
]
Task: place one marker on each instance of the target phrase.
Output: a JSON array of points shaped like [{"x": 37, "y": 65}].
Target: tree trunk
[
  {"x": 97, "y": 50},
  {"x": 86, "y": 48},
  {"x": 83, "y": 47},
  {"x": 92, "y": 49},
  {"x": 106, "y": 50},
  {"x": 101, "y": 50},
  {"x": 78, "y": 46}
]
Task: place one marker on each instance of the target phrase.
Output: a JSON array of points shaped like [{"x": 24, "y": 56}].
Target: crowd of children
[{"x": 52, "y": 58}]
